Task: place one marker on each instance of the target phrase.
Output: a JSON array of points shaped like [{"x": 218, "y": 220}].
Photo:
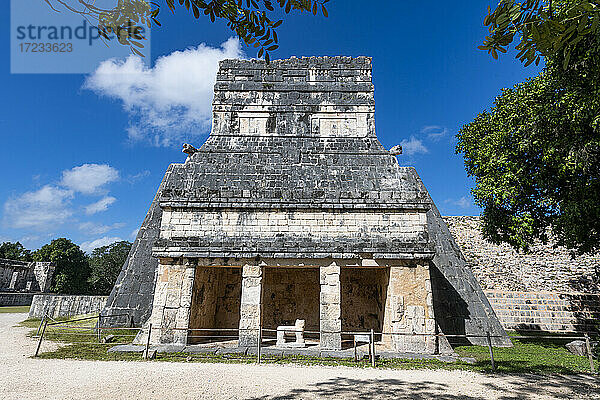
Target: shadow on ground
[{"x": 511, "y": 388}]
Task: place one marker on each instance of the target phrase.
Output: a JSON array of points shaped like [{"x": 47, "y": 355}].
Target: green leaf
[{"x": 567, "y": 59}]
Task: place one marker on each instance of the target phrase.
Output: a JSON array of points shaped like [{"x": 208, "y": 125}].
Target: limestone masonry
[
  {"x": 545, "y": 289},
  {"x": 292, "y": 209},
  {"x": 544, "y": 268},
  {"x": 55, "y": 306},
  {"x": 20, "y": 276}
]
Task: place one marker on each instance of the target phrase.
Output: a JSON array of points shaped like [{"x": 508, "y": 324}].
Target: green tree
[
  {"x": 14, "y": 251},
  {"x": 535, "y": 155},
  {"x": 72, "y": 268},
  {"x": 106, "y": 263},
  {"x": 251, "y": 20},
  {"x": 544, "y": 27}
]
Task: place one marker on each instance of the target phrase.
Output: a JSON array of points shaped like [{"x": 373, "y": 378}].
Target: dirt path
[{"x": 24, "y": 378}]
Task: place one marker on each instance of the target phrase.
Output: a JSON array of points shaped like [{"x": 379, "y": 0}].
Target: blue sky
[{"x": 82, "y": 158}]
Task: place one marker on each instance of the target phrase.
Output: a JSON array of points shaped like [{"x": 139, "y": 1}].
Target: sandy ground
[{"x": 22, "y": 377}]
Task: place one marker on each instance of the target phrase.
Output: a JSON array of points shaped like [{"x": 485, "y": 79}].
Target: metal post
[
  {"x": 41, "y": 323},
  {"x": 41, "y": 337},
  {"x": 372, "y": 350},
  {"x": 369, "y": 347},
  {"x": 99, "y": 324},
  {"x": 355, "y": 355},
  {"x": 489, "y": 342},
  {"x": 589, "y": 352},
  {"x": 148, "y": 341},
  {"x": 258, "y": 350}
]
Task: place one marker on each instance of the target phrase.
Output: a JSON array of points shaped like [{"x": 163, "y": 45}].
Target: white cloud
[
  {"x": 40, "y": 210},
  {"x": 100, "y": 205},
  {"x": 463, "y": 202},
  {"x": 134, "y": 233},
  {"x": 88, "y": 247},
  {"x": 89, "y": 178},
  {"x": 91, "y": 228},
  {"x": 413, "y": 146},
  {"x": 169, "y": 101},
  {"x": 434, "y": 132}
]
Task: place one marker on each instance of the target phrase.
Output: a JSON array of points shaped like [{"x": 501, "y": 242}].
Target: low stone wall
[
  {"x": 547, "y": 311},
  {"x": 64, "y": 306},
  {"x": 15, "y": 299}
]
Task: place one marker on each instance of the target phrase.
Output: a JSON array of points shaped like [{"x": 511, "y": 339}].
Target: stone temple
[{"x": 292, "y": 209}]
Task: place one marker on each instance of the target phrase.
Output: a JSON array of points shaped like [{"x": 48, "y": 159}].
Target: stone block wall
[
  {"x": 15, "y": 299},
  {"x": 65, "y": 306},
  {"x": 547, "y": 311},
  {"x": 25, "y": 276},
  {"x": 327, "y": 97},
  {"x": 133, "y": 291},
  {"x": 14, "y": 274},
  {"x": 294, "y": 230},
  {"x": 545, "y": 269},
  {"x": 43, "y": 273}
]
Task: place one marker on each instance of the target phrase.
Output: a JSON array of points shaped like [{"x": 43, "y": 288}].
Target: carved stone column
[
  {"x": 250, "y": 307},
  {"x": 409, "y": 309},
  {"x": 172, "y": 302},
  {"x": 330, "y": 308}
]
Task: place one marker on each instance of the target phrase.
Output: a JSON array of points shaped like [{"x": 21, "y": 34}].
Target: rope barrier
[{"x": 64, "y": 328}]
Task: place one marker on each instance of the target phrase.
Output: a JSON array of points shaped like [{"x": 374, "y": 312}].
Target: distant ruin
[
  {"x": 21, "y": 276},
  {"x": 292, "y": 209},
  {"x": 20, "y": 280}
]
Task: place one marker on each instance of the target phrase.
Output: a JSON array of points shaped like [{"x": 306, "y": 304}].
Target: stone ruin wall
[
  {"x": 546, "y": 289},
  {"x": 25, "y": 276},
  {"x": 56, "y": 306},
  {"x": 298, "y": 229},
  {"x": 545, "y": 269}
]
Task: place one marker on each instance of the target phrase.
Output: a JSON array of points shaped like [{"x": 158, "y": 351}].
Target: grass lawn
[
  {"x": 541, "y": 356},
  {"x": 14, "y": 309},
  {"x": 79, "y": 332}
]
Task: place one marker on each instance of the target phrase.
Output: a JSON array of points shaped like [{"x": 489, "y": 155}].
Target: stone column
[
  {"x": 172, "y": 303},
  {"x": 250, "y": 307},
  {"x": 331, "y": 311},
  {"x": 14, "y": 280},
  {"x": 409, "y": 310}
]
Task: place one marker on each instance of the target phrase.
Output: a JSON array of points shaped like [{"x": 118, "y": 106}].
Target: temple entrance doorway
[
  {"x": 288, "y": 294},
  {"x": 215, "y": 309}
]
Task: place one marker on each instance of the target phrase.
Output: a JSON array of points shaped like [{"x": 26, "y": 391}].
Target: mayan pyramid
[{"x": 293, "y": 195}]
